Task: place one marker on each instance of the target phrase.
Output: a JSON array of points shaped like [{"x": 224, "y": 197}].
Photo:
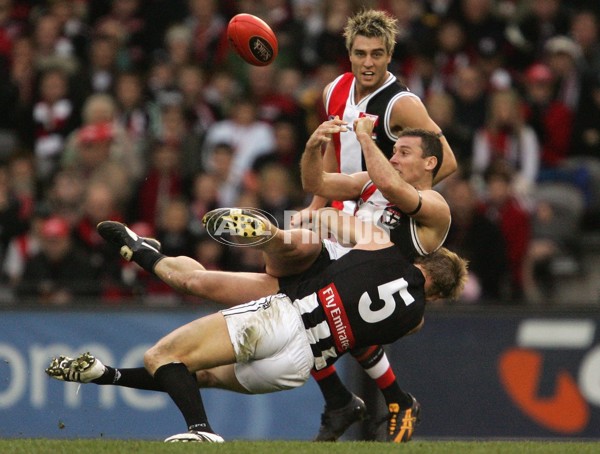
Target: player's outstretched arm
[{"x": 315, "y": 178}]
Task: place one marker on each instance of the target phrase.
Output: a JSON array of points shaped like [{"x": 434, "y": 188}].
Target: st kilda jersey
[
  {"x": 364, "y": 298},
  {"x": 373, "y": 207},
  {"x": 340, "y": 101}
]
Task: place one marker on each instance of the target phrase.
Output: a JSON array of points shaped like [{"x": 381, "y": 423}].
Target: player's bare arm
[
  {"x": 330, "y": 185},
  {"x": 432, "y": 212},
  {"x": 409, "y": 112}
]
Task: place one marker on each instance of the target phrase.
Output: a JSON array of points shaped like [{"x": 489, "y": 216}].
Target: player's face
[
  {"x": 369, "y": 60},
  {"x": 408, "y": 159}
]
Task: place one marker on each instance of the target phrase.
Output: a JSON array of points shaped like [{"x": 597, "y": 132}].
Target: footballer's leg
[
  {"x": 285, "y": 252},
  {"x": 228, "y": 288},
  {"x": 201, "y": 344},
  {"x": 186, "y": 274}
]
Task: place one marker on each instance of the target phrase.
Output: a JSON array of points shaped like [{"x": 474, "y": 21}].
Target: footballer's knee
[{"x": 206, "y": 379}]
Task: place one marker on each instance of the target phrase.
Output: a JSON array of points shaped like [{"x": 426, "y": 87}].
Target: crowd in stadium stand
[{"x": 139, "y": 111}]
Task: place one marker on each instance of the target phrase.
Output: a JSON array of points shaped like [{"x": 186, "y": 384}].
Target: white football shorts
[{"x": 270, "y": 344}]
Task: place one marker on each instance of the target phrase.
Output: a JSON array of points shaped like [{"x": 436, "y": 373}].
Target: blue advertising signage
[
  {"x": 502, "y": 374},
  {"x": 33, "y": 405},
  {"x": 476, "y": 374}
]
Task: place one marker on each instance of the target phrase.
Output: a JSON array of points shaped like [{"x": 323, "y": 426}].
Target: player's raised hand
[
  {"x": 323, "y": 133},
  {"x": 364, "y": 124}
]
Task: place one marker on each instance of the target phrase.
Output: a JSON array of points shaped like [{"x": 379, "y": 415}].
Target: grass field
[{"x": 35, "y": 446}]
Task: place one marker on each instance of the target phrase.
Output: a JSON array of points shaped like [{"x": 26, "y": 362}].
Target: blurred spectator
[
  {"x": 309, "y": 24},
  {"x": 554, "y": 247},
  {"x": 279, "y": 15},
  {"x": 101, "y": 203},
  {"x": 491, "y": 59},
  {"x": 21, "y": 248},
  {"x": 125, "y": 25},
  {"x": 586, "y": 128},
  {"x": 542, "y": 20},
  {"x": 287, "y": 149},
  {"x": 10, "y": 30},
  {"x": 563, "y": 56},
  {"x": 505, "y": 210},
  {"x": 585, "y": 32},
  {"x": 550, "y": 119},
  {"x": 59, "y": 273},
  {"x": 173, "y": 228},
  {"x": 98, "y": 75},
  {"x": 19, "y": 89},
  {"x": 210, "y": 253},
  {"x": 204, "y": 198},
  {"x": 422, "y": 76},
  {"x": 330, "y": 44},
  {"x": 54, "y": 116},
  {"x": 413, "y": 25},
  {"x": 71, "y": 23},
  {"x": 483, "y": 28},
  {"x": 506, "y": 136},
  {"x": 162, "y": 83},
  {"x": 470, "y": 98},
  {"x": 451, "y": 53},
  {"x": 275, "y": 191},
  {"x": 248, "y": 137},
  {"x": 101, "y": 140},
  {"x": 23, "y": 183},
  {"x": 219, "y": 168},
  {"x": 64, "y": 196},
  {"x": 162, "y": 183},
  {"x": 175, "y": 131},
  {"x": 135, "y": 114},
  {"x": 49, "y": 42},
  {"x": 199, "y": 115},
  {"x": 93, "y": 149},
  {"x": 11, "y": 223},
  {"x": 477, "y": 239},
  {"x": 179, "y": 46},
  {"x": 221, "y": 93},
  {"x": 270, "y": 102},
  {"x": 207, "y": 27},
  {"x": 442, "y": 110}
]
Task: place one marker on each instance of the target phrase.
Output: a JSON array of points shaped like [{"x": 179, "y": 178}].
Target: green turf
[{"x": 34, "y": 446}]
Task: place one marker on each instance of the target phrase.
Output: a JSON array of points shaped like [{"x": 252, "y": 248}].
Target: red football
[{"x": 252, "y": 39}]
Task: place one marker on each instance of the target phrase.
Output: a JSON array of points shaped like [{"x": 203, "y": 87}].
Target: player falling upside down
[
  {"x": 369, "y": 90},
  {"x": 272, "y": 343},
  {"x": 187, "y": 275}
]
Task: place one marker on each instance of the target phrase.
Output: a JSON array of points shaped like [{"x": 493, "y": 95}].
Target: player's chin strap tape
[{"x": 416, "y": 210}]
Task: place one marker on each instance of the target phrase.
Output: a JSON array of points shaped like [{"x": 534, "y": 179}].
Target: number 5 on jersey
[{"x": 386, "y": 294}]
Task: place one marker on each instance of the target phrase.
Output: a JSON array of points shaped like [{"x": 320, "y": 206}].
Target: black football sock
[
  {"x": 334, "y": 391},
  {"x": 175, "y": 379},
  {"x": 138, "y": 378},
  {"x": 393, "y": 393},
  {"x": 147, "y": 258}
]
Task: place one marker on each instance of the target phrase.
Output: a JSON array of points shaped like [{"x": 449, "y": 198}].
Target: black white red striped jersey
[
  {"x": 373, "y": 207},
  {"x": 363, "y": 298},
  {"x": 340, "y": 101}
]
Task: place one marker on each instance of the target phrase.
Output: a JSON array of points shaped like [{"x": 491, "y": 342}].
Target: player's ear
[{"x": 430, "y": 162}]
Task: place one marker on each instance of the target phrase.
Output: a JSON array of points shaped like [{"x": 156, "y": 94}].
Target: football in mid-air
[{"x": 252, "y": 39}]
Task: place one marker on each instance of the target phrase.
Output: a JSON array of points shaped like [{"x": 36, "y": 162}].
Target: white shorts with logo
[{"x": 270, "y": 344}]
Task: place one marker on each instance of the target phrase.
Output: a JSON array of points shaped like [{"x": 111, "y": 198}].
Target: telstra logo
[{"x": 567, "y": 410}]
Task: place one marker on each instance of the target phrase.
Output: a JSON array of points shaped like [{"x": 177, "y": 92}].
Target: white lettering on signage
[{"x": 26, "y": 378}]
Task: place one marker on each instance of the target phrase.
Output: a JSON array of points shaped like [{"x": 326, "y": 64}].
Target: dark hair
[{"x": 430, "y": 143}]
